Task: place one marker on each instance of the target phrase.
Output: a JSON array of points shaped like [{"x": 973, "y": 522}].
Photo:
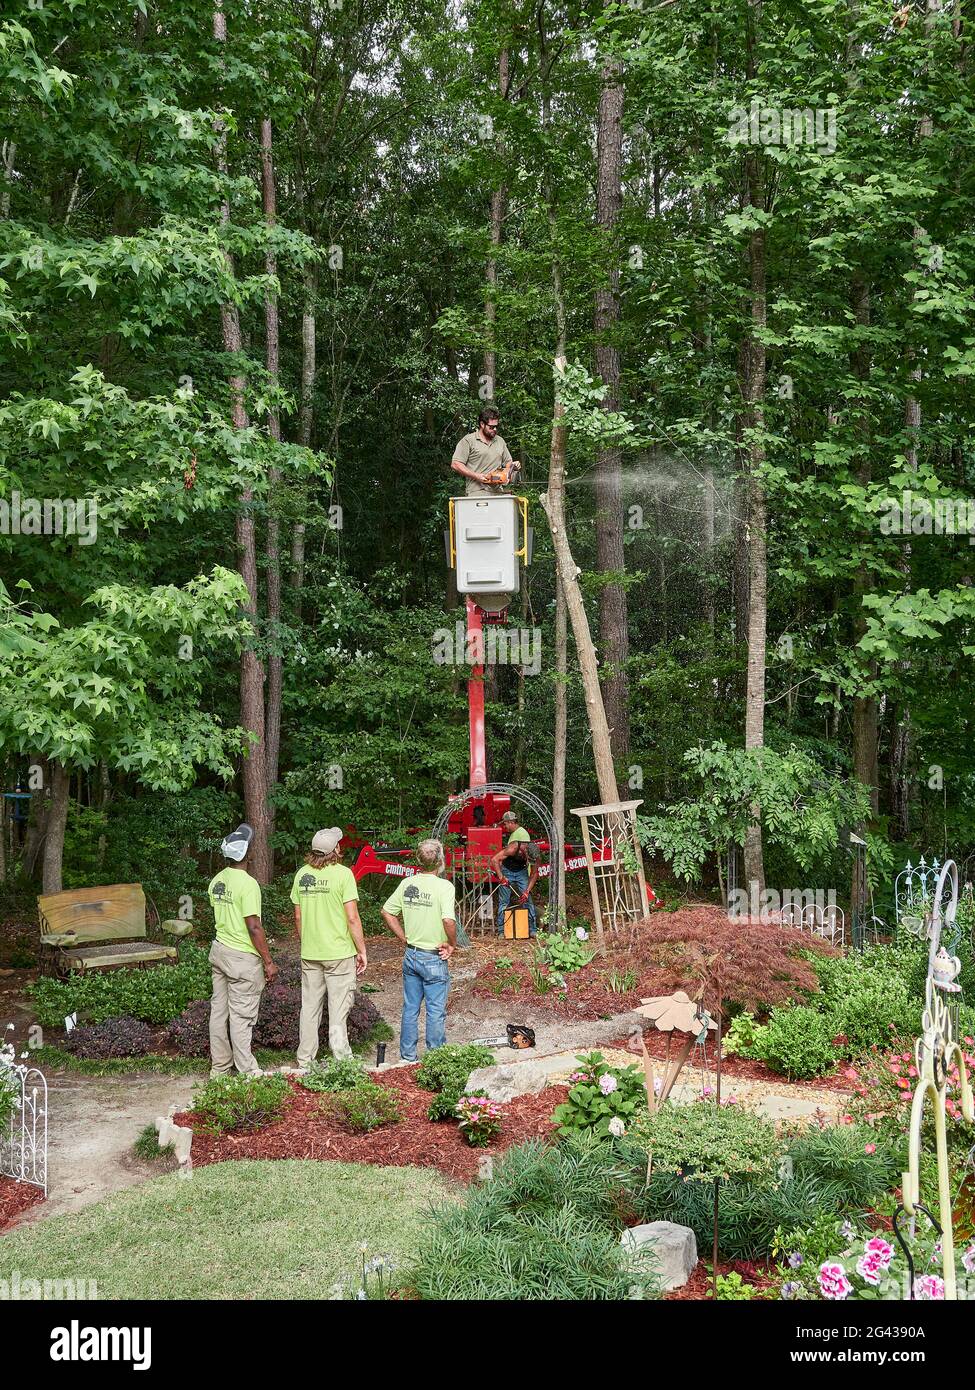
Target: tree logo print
[
  {"x": 219, "y": 890},
  {"x": 307, "y": 881},
  {"x": 410, "y": 893}
]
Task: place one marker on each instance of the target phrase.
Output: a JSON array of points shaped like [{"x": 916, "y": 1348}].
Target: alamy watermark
[
  {"x": 49, "y": 516},
  {"x": 18, "y": 1289},
  {"x": 780, "y": 125},
  {"x": 497, "y": 646},
  {"x": 914, "y": 514}
]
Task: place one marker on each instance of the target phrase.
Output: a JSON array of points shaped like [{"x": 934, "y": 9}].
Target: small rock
[
  {"x": 505, "y": 1082},
  {"x": 675, "y": 1249}
]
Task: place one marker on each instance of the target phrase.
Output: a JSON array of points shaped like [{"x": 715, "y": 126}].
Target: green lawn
[{"x": 284, "y": 1229}]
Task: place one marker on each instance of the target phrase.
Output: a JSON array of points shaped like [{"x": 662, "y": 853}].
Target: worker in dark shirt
[{"x": 511, "y": 863}]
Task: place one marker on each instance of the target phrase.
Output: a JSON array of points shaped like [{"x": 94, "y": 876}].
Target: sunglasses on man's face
[{"x": 493, "y": 428}]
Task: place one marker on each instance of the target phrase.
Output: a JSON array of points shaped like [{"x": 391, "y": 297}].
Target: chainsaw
[
  {"x": 517, "y": 1035},
  {"x": 501, "y": 477}
]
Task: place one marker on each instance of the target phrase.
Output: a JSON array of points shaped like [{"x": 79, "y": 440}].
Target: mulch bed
[
  {"x": 15, "y": 1199},
  {"x": 304, "y": 1131},
  {"x": 698, "y": 1287}
]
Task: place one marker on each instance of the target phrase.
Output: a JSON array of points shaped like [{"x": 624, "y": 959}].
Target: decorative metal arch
[{"x": 463, "y": 873}]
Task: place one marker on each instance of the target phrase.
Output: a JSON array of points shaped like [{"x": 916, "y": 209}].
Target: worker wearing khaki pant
[
  {"x": 239, "y": 958},
  {"x": 333, "y": 949}
]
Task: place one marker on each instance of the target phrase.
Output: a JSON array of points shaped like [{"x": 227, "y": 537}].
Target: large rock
[
  {"x": 510, "y": 1080},
  {"x": 674, "y": 1248}
]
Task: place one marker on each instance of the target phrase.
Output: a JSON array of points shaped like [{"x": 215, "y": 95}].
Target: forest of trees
[{"x": 261, "y": 264}]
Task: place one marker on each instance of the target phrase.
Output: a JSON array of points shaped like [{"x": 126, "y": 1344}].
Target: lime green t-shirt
[
  {"x": 322, "y": 894},
  {"x": 423, "y": 902},
  {"x": 233, "y": 896}
]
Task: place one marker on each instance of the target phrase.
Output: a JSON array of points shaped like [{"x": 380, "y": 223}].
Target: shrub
[
  {"x": 704, "y": 1142},
  {"x": 113, "y": 1037},
  {"x": 189, "y": 1034},
  {"x": 365, "y": 1107},
  {"x": 480, "y": 1119},
  {"x": 240, "y": 1102},
  {"x": 797, "y": 1042},
  {"x": 277, "y": 1020},
  {"x": 848, "y": 1162},
  {"x": 545, "y": 1227},
  {"x": 334, "y": 1074},
  {"x": 604, "y": 1100},
  {"x": 155, "y": 996},
  {"x": 733, "y": 1287},
  {"x": 447, "y": 1069}
]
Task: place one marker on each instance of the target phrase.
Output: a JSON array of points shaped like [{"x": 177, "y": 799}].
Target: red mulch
[
  {"x": 305, "y": 1132},
  {"x": 699, "y": 1285},
  {"x": 15, "y": 1199}
]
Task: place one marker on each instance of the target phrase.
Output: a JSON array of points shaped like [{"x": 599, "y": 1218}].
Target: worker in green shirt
[
  {"x": 483, "y": 458},
  {"x": 333, "y": 948},
  {"x": 420, "y": 914},
  {"x": 240, "y": 960},
  {"x": 511, "y": 865}
]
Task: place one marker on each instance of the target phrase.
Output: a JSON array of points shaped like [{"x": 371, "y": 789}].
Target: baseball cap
[
  {"x": 325, "y": 841},
  {"x": 236, "y": 844}
]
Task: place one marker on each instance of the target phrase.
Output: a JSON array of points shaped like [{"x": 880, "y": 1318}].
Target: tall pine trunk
[
  {"x": 254, "y": 769},
  {"x": 57, "y": 823},
  {"x": 613, "y": 634},
  {"x": 273, "y": 549}
]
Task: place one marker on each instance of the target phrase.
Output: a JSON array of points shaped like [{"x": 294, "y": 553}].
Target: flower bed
[
  {"x": 306, "y": 1130},
  {"x": 15, "y": 1199}
]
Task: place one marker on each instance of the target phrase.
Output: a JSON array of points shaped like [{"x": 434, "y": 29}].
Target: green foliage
[
  {"x": 334, "y": 1074},
  {"x": 446, "y": 1070},
  {"x": 113, "y": 1037},
  {"x": 602, "y": 1097},
  {"x": 703, "y": 1142},
  {"x": 733, "y": 1288},
  {"x": 9, "y": 1085},
  {"x": 545, "y": 1226},
  {"x": 229, "y": 1104},
  {"x": 796, "y": 1042},
  {"x": 803, "y": 806},
  {"x": 148, "y": 1148},
  {"x": 480, "y": 1119},
  {"x": 155, "y": 995},
  {"x": 564, "y": 953},
  {"x": 365, "y": 1107}
]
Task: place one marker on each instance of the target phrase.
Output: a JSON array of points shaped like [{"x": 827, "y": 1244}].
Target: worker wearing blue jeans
[
  {"x": 511, "y": 863},
  {"x": 421, "y": 915}
]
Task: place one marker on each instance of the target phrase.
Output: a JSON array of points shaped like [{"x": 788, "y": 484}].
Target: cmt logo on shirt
[
  {"x": 417, "y": 897},
  {"x": 308, "y": 883}
]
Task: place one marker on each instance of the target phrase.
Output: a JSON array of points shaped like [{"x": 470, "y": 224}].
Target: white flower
[
  {"x": 361, "y": 1296},
  {"x": 364, "y": 1246},
  {"x": 616, "y": 1127},
  {"x": 608, "y": 1084},
  {"x": 581, "y": 934}
]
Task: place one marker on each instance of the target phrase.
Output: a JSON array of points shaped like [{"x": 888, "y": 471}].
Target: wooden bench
[{"x": 103, "y": 928}]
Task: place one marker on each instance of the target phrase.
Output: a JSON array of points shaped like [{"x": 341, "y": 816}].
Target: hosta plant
[{"x": 602, "y": 1100}]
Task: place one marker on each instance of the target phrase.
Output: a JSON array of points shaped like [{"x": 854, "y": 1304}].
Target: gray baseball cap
[{"x": 237, "y": 843}]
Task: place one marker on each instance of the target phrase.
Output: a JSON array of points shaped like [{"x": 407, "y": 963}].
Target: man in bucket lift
[
  {"x": 483, "y": 458},
  {"x": 511, "y": 863}
]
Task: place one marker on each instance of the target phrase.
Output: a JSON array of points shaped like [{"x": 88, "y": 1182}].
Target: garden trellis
[{"x": 23, "y": 1141}]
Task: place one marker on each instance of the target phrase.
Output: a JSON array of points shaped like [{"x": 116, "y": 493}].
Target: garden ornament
[
  {"x": 669, "y": 1013},
  {"x": 945, "y": 969},
  {"x": 935, "y": 1053}
]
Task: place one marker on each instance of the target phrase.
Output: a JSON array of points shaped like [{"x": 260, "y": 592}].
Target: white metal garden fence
[
  {"x": 23, "y": 1138},
  {"x": 827, "y": 921}
]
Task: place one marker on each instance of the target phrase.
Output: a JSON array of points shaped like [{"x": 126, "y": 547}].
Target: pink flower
[
  {"x": 869, "y": 1268},
  {"x": 833, "y": 1283},
  {"x": 608, "y": 1083},
  {"x": 870, "y": 1148},
  {"x": 879, "y": 1249},
  {"x": 846, "y": 1119},
  {"x": 929, "y": 1286},
  {"x": 968, "y": 1259}
]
